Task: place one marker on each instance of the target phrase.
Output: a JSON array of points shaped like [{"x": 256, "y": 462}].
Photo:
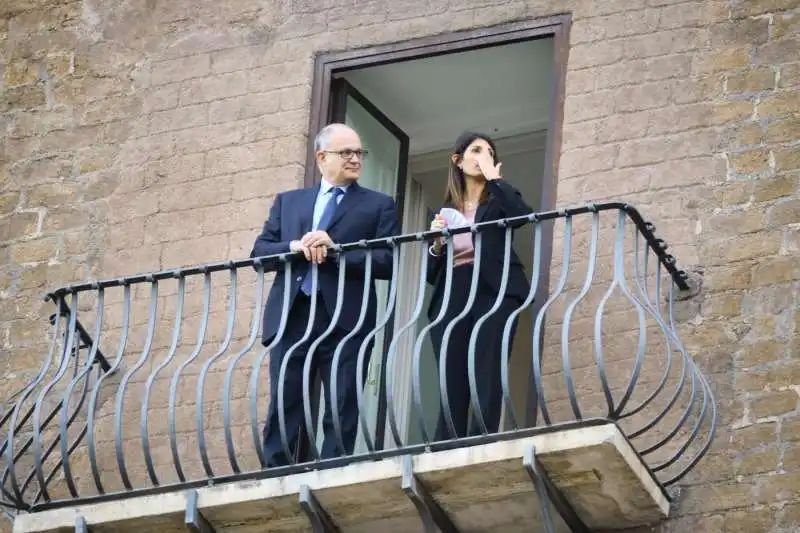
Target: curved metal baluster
[
  {"x": 599, "y": 357},
  {"x": 123, "y": 386},
  {"x": 57, "y": 440},
  {"x": 253, "y": 389},
  {"x": 173, "y": 386},
  {"x": 689, "y": 408},
  {"x": 287, "y": 449},
  {"x": 506, "y": 346},
  {"x": 708, "y": 391},
  {"x": 13, "y": 427},
  {"x": 334, "y": 383},
  {"x": 416, "y": 382},
  {"x": 144, "y": 420},
  {"x": 226, "y": 400},
  {"x": 390, "y": 358},
  {"x": 639, "y": 284},
  {"x": 711, "y": 432},
  {"x": 37, "y": 428},
  {"x": 201, "y": 379},
  {"x": 365, "y": 343},
  {"x": 337, "y": 311},
  {"x": 92, "y": 408},
  {"x": 647, "y": 251},
  {"x": 64, "y": 412},
  {"x": 695, "y": 429},
  {"x": 537, "y": 327},
  {"x": 617, "y": 280},
  {"x": 619, "y": 273},
  {"x": 684, "y": 417},
  {"x": 655, "y": 311},
  {"x": 448, "y": 331},
  {"x": 681, "y": 382},
  {"x": 501, "y": 293},
  {"x": 587, "y": 284}
]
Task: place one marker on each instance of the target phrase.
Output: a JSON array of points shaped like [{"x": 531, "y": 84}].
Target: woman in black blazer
[{"x": 475, "y": 188}]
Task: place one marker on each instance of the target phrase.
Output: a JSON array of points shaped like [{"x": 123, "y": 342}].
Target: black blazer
[
  {"x": 361, "y": 214},
  {"x": 505, "y": 201}
]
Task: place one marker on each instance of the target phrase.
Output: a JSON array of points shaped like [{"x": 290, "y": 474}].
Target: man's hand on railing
[
  {"x": 317, "y": 238},
  {"x": 314, "y": 245}
]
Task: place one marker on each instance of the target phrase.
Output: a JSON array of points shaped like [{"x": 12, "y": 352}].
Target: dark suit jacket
[
  {"x": 504, "y": 202},
  {"x": 361, "y": 214}
]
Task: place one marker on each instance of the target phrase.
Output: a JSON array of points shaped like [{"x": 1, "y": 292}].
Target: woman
[{"x": 477, "y": 190}]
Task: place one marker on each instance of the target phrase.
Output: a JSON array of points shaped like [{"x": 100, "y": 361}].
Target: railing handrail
[{"x": 647, "y": 229}]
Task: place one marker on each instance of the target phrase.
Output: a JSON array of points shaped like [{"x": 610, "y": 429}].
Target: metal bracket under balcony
[{"x": 590, "y": 472}]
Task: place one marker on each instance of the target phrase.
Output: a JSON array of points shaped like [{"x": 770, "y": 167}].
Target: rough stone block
[
  {"x": 740, "y": 32},
  {"x": 776, "y": 52},
  {"x": 774, "y": 404},
  {"x": 750, "y": 161},
  {"x": 774, "y": 188},
  {"x": 240, "y": 158},
  {"x": 786, "y": 212},
  {"x": 787, "y": 159},
  {"x": 18, "y": 225},
  {"x": 196, "y": 193},
  {"x": 751, "y": 80},
  {"x": 211, "y": 88},
  {"x": 8, "y": 202},
  {"x": 177, "y": 119},
  {"x": 183, "y": 68},
  {"x": 779, "y": 105},
  {"x": 244, "y": 107},
  {"x": 775, "y": 271},
  {"x": 22, "y": 97}
]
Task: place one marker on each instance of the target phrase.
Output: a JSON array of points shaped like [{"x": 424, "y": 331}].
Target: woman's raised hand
[{"x": 490, "y": 171}]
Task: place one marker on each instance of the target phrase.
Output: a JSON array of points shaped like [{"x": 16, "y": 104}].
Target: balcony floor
[{"x": 481, "y": 488}]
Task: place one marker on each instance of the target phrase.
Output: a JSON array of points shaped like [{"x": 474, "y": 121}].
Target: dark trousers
[
  {"x": 487, "y": 355},
  {"x": 293, "y": 392}
]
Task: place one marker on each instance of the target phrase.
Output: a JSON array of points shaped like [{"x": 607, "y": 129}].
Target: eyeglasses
[{"x": 348, "y": 154}]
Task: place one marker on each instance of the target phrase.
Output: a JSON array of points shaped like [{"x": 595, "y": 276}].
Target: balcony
[{"x": 148, "y": 410}]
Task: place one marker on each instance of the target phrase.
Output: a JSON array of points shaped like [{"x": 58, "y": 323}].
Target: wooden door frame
[{"x": 556, "y": 27}]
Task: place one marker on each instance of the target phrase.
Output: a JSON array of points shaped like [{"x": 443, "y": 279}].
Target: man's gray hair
[{"x": 323, "y": 138}]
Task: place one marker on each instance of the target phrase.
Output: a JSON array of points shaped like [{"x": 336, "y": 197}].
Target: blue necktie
[{"x": 323, "y": 223}]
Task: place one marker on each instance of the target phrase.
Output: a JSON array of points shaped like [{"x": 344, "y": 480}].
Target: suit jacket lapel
[
  {"x": 481, "y": 212},
  {"x": 307, "y": 210},
  {"x": 348, "y": 200}
]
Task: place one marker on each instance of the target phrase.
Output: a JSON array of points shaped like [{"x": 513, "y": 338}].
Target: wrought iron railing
[{"x": 597, "y": 343}]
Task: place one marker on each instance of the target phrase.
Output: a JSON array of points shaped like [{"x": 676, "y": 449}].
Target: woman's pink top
[{"x": 463, "y": 250}]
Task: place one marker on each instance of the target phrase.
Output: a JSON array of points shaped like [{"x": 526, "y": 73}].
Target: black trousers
[
  {"x": 293, "y": 393},
  {"x": 487, "y": 355}
]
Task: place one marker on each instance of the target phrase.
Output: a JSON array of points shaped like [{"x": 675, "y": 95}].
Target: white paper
[{"x": 453, "y": 217}]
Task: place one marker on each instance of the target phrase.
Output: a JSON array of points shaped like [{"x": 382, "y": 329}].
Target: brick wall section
[{"x": 153, "y": 134}]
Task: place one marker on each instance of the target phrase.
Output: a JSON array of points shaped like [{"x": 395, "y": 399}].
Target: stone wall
[{"x": 146, "y": 135}]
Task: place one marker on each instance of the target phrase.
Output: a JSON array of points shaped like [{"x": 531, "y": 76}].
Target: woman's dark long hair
[{"x": 456, "y": 192}]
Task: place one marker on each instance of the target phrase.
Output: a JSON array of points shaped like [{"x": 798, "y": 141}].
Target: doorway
[{"x": 409, "y": 102}]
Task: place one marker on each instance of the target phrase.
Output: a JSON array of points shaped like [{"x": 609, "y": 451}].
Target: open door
[
  {"x": 384, "y": 170},
  {"x": 386, "y": 166}
]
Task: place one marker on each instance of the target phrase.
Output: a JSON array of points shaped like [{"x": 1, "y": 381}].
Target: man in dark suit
[{"x": 308, "y": 222}]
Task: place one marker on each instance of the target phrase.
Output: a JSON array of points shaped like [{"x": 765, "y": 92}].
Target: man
[{"x": 308, "y": 222}]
